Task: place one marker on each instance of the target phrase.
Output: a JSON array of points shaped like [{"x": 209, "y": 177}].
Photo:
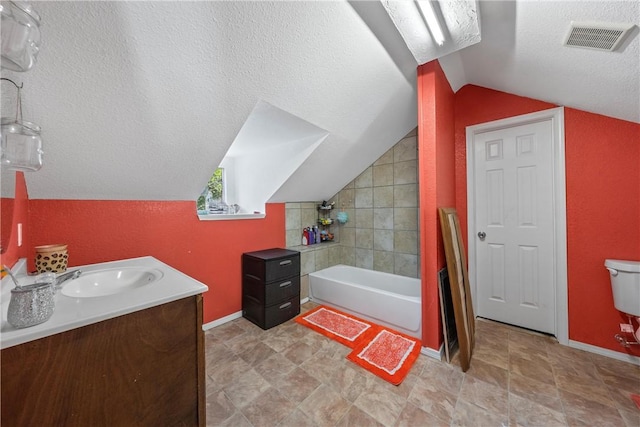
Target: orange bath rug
[
  {"x": 339, "y": 326},
  {"x": 384, "y": 352},
  {"x": 390, "y": 355}
]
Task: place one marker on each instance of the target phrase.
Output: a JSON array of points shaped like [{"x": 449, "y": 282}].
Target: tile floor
[{"x": 293, "y": 376}]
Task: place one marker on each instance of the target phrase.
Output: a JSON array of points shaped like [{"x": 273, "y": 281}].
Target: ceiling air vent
[{"x": 597, "y": 35}]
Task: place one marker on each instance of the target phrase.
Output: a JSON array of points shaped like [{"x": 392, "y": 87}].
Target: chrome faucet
[
  {"x": 10, "y": 273},
  {"x": 71, "y": 275}
]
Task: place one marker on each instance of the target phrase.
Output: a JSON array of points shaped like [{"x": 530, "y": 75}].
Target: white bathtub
[{"x": 386, "y": 299}]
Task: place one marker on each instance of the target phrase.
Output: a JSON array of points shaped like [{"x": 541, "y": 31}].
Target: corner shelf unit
[{"x": 325, "y": 222}]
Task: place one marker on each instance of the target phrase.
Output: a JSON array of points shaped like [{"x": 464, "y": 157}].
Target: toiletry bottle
[{"x": 305, "y": 237}]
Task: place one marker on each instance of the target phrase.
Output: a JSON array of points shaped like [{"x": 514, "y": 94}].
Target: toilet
[{"x": 625, "y": 284}]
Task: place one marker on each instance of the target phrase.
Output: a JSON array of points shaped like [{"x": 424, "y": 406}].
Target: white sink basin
[{"x": 99, "y": 283}]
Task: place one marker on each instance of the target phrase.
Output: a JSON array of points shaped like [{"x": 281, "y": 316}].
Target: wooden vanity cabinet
[{"x": 141, "y": 369}]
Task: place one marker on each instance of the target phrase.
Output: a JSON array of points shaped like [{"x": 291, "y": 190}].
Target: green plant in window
[
  {"x": 200, "y": 203},
  {"x": 215, "y": 184}
]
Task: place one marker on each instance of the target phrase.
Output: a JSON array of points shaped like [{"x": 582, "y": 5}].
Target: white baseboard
[
  {"x": 222, "y": 320},
  {"x": 233, "y": 316},
  {"x": 434, "y": 354},
  {"x": 605, "y": 352}
]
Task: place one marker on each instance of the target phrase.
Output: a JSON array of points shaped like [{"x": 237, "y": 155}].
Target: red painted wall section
[
  {"x": 19, "y": 207},
  {"x": 603, "y": 219},
  {"x": 436, "y": 176},
  {"x": 209, "y": 251},
  {"x": 603, "y": 201}
]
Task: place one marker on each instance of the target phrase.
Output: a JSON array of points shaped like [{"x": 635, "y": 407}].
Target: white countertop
[{"x": 71, "y": 313}]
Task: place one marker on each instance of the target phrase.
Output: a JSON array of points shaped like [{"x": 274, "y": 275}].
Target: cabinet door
[{"x": 144, "y": 368}]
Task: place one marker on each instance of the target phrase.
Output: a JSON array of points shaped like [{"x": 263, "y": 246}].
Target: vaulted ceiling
[{"x": 141, "y": 100}]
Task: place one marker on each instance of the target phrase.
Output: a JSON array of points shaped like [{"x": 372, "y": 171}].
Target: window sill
[{"x": 223, "y": 217}]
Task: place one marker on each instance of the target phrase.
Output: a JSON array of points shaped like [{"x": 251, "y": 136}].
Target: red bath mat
[
  {"x": 389, "y": 354},
  {"x": 384, "y": 352},
  {"x": 339, "y": 326}
]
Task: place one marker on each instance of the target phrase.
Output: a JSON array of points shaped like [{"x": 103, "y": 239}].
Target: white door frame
[{"x": 556, "y": 115}]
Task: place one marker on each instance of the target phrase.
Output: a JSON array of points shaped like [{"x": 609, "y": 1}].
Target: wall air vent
[{"x": 597, "y": 35}]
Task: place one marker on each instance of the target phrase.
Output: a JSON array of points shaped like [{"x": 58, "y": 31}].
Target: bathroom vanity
[{"x": 138, "y": 364}]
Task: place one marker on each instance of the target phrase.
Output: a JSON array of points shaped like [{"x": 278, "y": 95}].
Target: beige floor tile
[
  {"x": 579, "y": 409},
  {"x": 525, "y": 412},
  {"x": 297, "y": 419},
  {"x": 589, "y": 388},
  {"x": 348, "y": 382},
  {"x": 325, "y": 407},
  {"x": 539, "y": 369},
  {"x": 492, "y": 352},
  {"x": 412, "y": 416},
  {"x": 276, "y": 365},
  {"x": 631, "y": 418},
  {"x": 219, "y": 408},
  {"x": 321, "y": 365},
  {"x": 467, "y": 414},
  {"x": 541, "y": 393},
  {"x": 237, "y": 420},
  {"x": 433, "y": 400},
  {"x": 487, "y": 396},
  {"x": 299, "y": 353},
  {"x": 297, "y": 385},
  {"x": 248, "y": 386},
  {"x": 257, "y": 354},
  {"x": 292, "y": 376},
  {"x": 445, "y": 377},
  {"x": 243, "y": 342},
  {"x": 383, "y": 406},
  {"x": 622, "y": 399},
  {"x": 227, "y": 371},
  {"x": 268, "y": 409},
  {"x": 355, "y": 417},
  {"x": 489, "y": 373}
]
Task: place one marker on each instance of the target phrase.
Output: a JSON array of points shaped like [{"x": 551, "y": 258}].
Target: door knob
[{"x": 482, "y": 235}]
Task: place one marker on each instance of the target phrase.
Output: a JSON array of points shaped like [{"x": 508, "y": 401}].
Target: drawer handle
[
  {"x": 285, "y": 305},
  {"x": 286, "y": 262},
  {"x": 285, "y": 284}
]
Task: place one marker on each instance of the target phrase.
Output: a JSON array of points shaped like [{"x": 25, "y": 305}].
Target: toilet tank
[{"x": 625, "y": 284}]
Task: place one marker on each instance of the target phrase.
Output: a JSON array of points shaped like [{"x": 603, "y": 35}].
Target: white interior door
[{"x": 514, "y": 225}]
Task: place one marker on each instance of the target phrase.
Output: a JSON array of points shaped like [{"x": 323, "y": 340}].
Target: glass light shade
[
  {"x": 21, "y": 147},
  {"x": 20, "y": 28}
]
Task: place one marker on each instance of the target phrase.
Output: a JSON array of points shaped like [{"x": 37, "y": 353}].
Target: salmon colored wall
[
  {"x": 603, "y": 201},
  {"x": 603, "y": 219},
  {"x": 209, "y": 251},
  {"x": 19, "y": 205},
  {"x": 436, "y": 185}
]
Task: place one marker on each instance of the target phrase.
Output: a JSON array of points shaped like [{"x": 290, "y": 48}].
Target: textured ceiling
[
  {"x": 141, "y": 100},
  {"x": 522, "y": 53}
]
